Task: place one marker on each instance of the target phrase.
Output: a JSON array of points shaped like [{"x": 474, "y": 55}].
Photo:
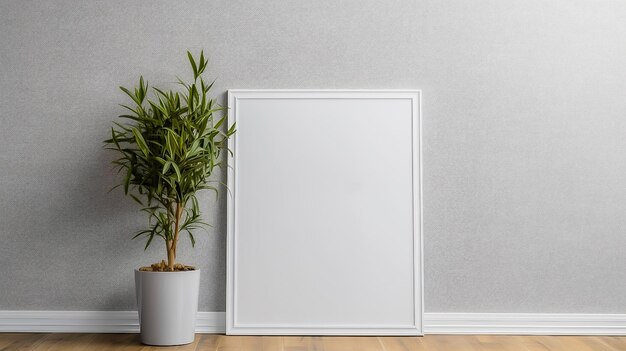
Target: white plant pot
[{"x": 167, "y": 303}]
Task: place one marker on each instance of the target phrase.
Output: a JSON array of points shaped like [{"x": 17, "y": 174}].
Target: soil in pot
[{"x": 162, "y": 267}]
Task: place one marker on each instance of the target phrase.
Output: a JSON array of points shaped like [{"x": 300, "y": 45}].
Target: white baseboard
[
  {"x": 434, "y": 323},
  {"x": 525, "y": 323},
  {"x": 93, "y": 322}
]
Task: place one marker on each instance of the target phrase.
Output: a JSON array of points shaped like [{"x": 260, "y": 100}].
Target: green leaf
[
  {"x": 141, "y": 142},
  {"x": 219, "y": 123},
  {"x": 231, "y": 130},
  {"x": 127, "y": 180},
  {"x": 203, "y": 62},
  {"x": 149, "y": 240},
  {"x": 193, "y": 240},
  {"x": 136, "y": 199},
  {"x": 195, "y": 208},
  {"x": 193, "y": 65},
  {"x": 140, "y": 234},
  {"x": 113, "y": 138},
  {"x": 177, "y": 170}
]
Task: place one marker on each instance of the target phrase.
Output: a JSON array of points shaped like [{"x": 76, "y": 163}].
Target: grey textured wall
[{"x": 524, "y": 137}]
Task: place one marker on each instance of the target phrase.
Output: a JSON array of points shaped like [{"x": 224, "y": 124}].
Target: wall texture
[{"x": 524, "y": 137}]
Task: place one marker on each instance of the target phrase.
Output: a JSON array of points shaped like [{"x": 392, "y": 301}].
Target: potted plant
[{"x": 168, "y": 147}]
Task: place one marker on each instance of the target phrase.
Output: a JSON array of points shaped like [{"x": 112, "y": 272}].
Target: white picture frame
[{"x": 286, "y": 174}]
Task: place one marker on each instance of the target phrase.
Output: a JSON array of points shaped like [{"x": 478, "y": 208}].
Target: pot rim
[{"x": 179, "y": 272}]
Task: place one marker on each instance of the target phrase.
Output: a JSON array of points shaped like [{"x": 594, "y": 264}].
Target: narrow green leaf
[
  {"x": 232, "y": 129},
  {"x": 177, "y": 170},
  {"x": 193, "y": 65},
  {"x": 136, "y": 199},
  {"x": 149, "y": 240},
  {"x": 114, "y": 138},
  {"x": 160, "y": 160},
  {"x": 193, "y": 240},
  {"x": 140, "y": 234},
  {"x": 219, "y": 123},
  {"x": 195, "y": 206},
  {"x": 203, "y": 62},
  {"x": 141, "y": 142},
  {"x": 127, "y": 180},
  {"x": 166, "y": 167}
]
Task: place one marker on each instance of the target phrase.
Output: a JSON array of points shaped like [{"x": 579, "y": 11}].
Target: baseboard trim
[
  {"x": 525, "y": 323},
  {"x": 93, "y": 322},
  {"x": 434, "y": 323}
]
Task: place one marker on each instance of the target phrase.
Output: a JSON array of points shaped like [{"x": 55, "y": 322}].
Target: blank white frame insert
[{"x": 325, "y": 213}]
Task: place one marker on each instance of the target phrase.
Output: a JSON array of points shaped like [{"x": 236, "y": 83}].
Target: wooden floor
[{"x": 209, "y": 342}]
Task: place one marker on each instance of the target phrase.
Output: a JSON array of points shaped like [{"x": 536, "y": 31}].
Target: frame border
[{"x": 417, "y": 328}]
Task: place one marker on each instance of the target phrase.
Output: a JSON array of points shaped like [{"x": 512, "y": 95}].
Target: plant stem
[
  {"x": 171, "y": 255},
  {"x": 171, "y": 245}
]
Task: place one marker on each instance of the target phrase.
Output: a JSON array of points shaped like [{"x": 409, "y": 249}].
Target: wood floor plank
[
  {"x": 613, "y": 343},
  {"x": 209, "y": 342},
  {"x": 134, "y": 344},
  {"x": 273, "y": 343},
  {"x": 429, "y": 344},
  {"x": 497, "y": 342},
  {"x": 361, "y": 343},
  {"x": 573, "y": 343},
  {"x": 261, "y": 343},
  {"x": 10, "y": 338},
  {"x": 402, "y": 343},
  {"x": 20, "y": 341},
  {"x": 467, "y": 343},
  {"x": 47, "y": 342},
  {"x": 230, "y": 343},
  {"x": 337, "y": 343},
  {"x": 297, "y": 343},
  {"x": 265, "y": 343},
  {"x": 251, "y": 343},
  {"x": 531, "y": 343},
  {"x": 485, "y": 343},
  {"x": 595, "y": 344},
  {"x": 72, "y": 342},
  {"x": 119, "y": 342}
]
